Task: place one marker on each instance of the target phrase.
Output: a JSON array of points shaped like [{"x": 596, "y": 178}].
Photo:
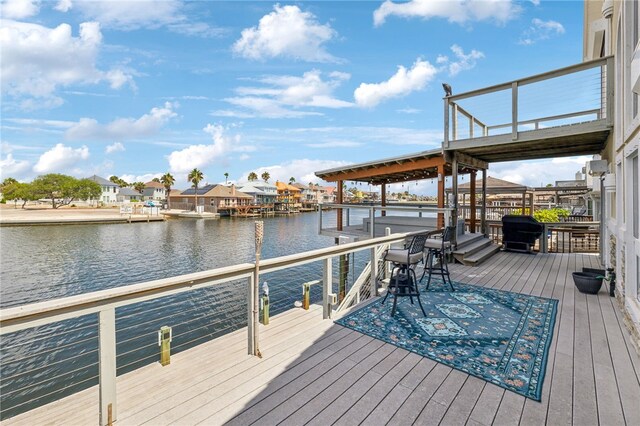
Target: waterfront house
[
  {"x": 262, "y": 192},
  {"x": 311, "y": 370},
  {"x": 109, "y": 189},
  {"x": 307, "y": 196},
  {"x": 214, "y": 197},
  {"x": 128, "y": 194},
  {"x": 289, "y": 197},
  {"x": 154, "y": 191},
  {"x": 329, "y": 194}
]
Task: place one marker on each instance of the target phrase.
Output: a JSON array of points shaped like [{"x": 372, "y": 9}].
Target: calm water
[{"x": 47, "y": 262}]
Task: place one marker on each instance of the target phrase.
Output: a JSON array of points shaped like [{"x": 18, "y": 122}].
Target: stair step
[
  {"x": 474, "y": 247},
  {"x": 482, "y": 255},
  {"x": 468, "y": 239}
]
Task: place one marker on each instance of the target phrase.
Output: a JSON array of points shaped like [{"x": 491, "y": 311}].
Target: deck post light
[{"x": 264, "y": 303}]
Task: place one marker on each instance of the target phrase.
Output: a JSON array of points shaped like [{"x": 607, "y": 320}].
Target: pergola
[
  {"x": 496, "y": 186},
  {"x": 411, "y": 167}
]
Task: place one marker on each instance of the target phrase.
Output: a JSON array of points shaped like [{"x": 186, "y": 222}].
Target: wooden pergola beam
[{"x": 387, "y": 169}]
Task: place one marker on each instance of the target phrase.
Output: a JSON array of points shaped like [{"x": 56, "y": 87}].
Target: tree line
[{"x": 60, "y": 189}]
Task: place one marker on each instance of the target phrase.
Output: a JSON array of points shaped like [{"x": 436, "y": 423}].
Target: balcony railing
[
  {"x": 577, "y": 94},
  {"x": 99, "y": 311}
]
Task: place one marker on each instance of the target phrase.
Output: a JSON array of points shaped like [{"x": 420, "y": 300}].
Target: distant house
[
  {"x": 318, "y": 192},
  {"x": 109, "y": 189},
  {"x": 154, "y": 191},
  {"x": 329, "y": 194},
  {"x": 307, "y": 195},
  {"x": 128, "y": 194},
  {"x": 215, "y": 197},
  {"x": 289, "y": 197},
  {"x": 262, "y": 192}
]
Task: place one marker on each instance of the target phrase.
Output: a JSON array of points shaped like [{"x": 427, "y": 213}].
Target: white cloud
[
  {"x": 148, "y": 14},
  {"x": 201, "y": 156},
  {"x": 463, "y": 61},
  {"x": 540, "y": 30},
  {"x": 10, "y": 167},
  {"x": 409, "y": 110},
  {"x": 63, "y": 6},
  {"x": 123, "y": 128},
  {"x": 116, "y": 147},
  {"x": 131, "y": 15},
  {"x": 60, "y": 158},
  {"x": 36, "y": 60},
  {"x": 539, "y": 172},
  {"x": 130, "y": 178},
  {"x": 284, "y": 96},
  {"x": 19, "y": 9},
  {"x": 303, "y": 170},
  {"x": 457, "y": 11},
  {"x": 372, "y": 136},
  {"x": 286, "y": 32},
  {"x": 401, "y": 83}
]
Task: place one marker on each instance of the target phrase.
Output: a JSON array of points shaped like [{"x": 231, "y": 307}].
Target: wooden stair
[{"x": 474, "y": 249}]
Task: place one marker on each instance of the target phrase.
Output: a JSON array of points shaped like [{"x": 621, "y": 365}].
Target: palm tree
[
  {"x": 226, "y": 176},
  {"x": 252, "y": 177},
  {"x": 139, "y": 186},
  {"x": 195, "y": 176},
  {"x": 167, "y": 180},
  {"x": 292, "y": 180},
  {"x": 265, "y": 177}
]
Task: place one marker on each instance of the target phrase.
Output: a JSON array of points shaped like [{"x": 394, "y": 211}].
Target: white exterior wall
[
  {"x": 621, "y": 237},
  {"x": 109, "y": 194}
]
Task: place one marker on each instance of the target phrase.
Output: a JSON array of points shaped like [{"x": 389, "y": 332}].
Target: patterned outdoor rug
[{"x": 498, "y": 336}]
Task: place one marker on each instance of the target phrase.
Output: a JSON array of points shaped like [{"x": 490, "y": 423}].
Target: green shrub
[
  {"x": 550, "y": 215},
  {"x": 3, "y": 201}
]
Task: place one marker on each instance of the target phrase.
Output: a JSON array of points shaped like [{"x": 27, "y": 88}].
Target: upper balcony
[{"x": 568, "y": 111}]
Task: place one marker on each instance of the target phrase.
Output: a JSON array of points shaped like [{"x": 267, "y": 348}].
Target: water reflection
[{"x": 42, "y": 263}]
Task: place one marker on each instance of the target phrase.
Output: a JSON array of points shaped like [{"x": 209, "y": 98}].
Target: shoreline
[{"x": 43, "y": 216}]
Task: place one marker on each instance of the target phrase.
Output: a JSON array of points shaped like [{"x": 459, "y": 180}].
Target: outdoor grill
[{"x": 520, "y": 232}]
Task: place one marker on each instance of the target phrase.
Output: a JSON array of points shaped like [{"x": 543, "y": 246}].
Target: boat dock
[{"x": 313, "y": 371}]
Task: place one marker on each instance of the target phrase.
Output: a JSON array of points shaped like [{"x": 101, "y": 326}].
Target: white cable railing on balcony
[
  {"x": 91, "y": 330},
  {"x": 576, "y": 94}
]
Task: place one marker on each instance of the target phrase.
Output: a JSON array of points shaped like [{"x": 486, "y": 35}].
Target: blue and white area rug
[{"x": 499, "y": 336}]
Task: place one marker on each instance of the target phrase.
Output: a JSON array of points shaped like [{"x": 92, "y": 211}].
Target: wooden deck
[{"x": 316, "y": 372}]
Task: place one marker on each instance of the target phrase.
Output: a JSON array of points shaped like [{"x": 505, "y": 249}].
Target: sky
[{"x": 137, "y": 89}]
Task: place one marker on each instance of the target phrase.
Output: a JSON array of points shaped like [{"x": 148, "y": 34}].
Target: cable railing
[
  {"x": 110, "y": 332},
  {"x": 576, "y": 94},
  {"x": 558, "y": 237},
  {"x": 358, "y": 221}
]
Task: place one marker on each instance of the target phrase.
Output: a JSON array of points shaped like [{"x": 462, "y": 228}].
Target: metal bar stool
[
  {"x": 403, "y": 280},
  {"x": 437, "y": 247}
]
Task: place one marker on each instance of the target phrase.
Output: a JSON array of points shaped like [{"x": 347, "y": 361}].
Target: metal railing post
[
  {"x": 251, "y": 343},
  {"x": 446, "y": 122},
  {"x": 374, "y": 271},
  {"x": 454, "y": 119},
  {"x": 609, "y": 106},
  {"x": 372, "y": 218},
  {"x": 107, "y": 367},
  {"x": 514, "y": 110},
  {"x": 327, "y": 276},
  {"x": 320, "y": 219},
  {"x": 545, "y": 239}
]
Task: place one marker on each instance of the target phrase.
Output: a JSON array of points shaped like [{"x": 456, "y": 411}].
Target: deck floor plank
[
  {"x": 609, "y": 405},
  {"x": 314, "y": 371}
]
